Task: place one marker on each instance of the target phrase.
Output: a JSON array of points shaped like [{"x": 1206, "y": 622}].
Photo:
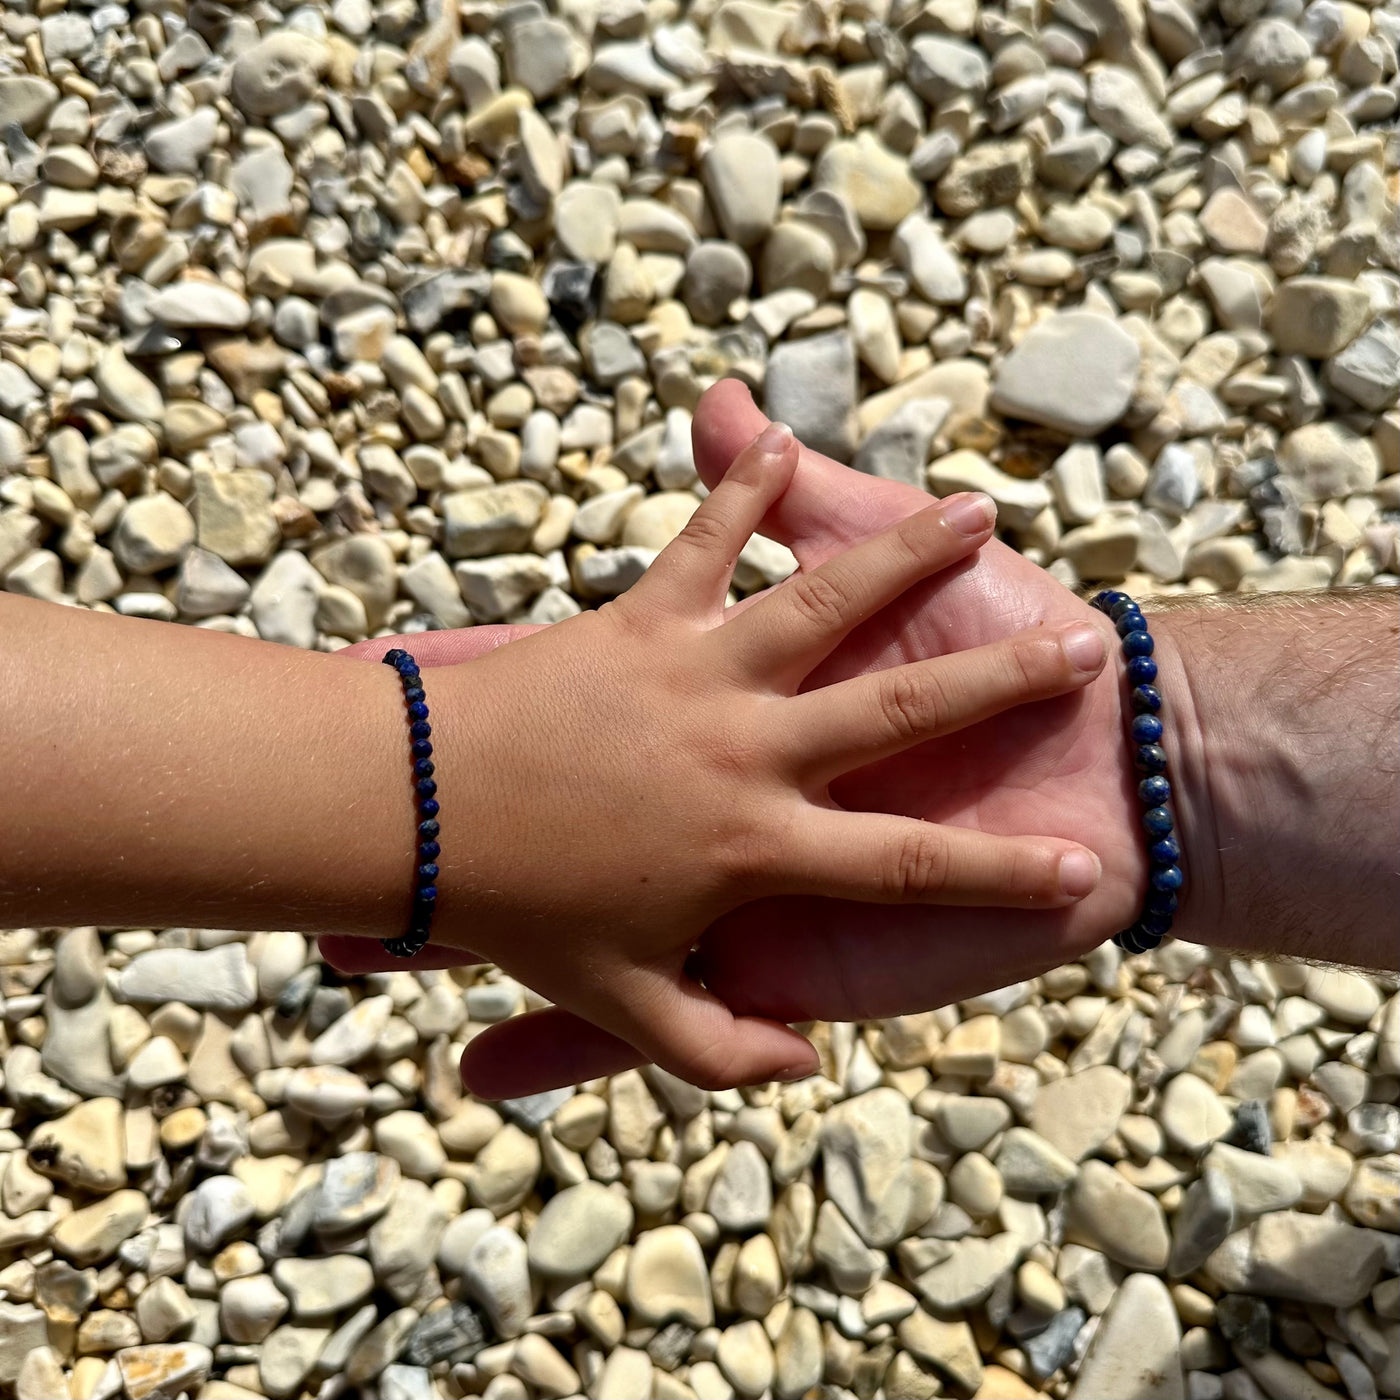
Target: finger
[
  {"x": 541, "y": 1050},
  {"x": 805, "y": 617},
  {"x": 356, "y": 956},
  {"x": 692, "y": 573},
  {"x": 879, "y": 859},
  {"x": 851, "y": 723}
]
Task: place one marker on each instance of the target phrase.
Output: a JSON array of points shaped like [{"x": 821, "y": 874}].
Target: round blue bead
[
  {"x": 1130, "y": 621},
  {"x": 1137, "y": 644},
  {"x": 1146, "y": 729},
  {"x": 422, "y": 748},
  {"x": 1164, "y": 852},
  {"x": 408, "y": 672},
  {"x": 1155, "y": 790},
  {"x": 413, "y": 693},
  {"x": 423, "y": 767},
  {"x": 1161, "y": 902},
  {"x": 1121, "y": 605},
  {"x": 1147, "y": 699},
  {"x": 429, "y": 829},
  {"x": 427, "y": 893},
  {"x": 1105, "y": 599},
  {"x": 1157, "y": 821},
  {"x": 420, "y": 729},
  {"x": 429, "y": 807},
  {"x": 1147, "y": 937},
  {"x": 393, "y": 656},
  {"x": 428, "y": 872},
  {"x": 1169, "y": 877},
  {"x": 1150, "y": 758},
  {"x": 425, "y": 787},
  {"x": 1141, "y": 670},
  {"x": 429, "y": 850},
  {"x": 418, "y": 710}
]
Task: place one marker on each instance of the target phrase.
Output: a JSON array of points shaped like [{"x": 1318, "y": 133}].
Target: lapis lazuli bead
[
  {"x": 1122, "y": 605},
  {"x": 420, "y": 729},
  {"x": 428, "y": 872},
  {"x": 423, "y": 768},
  {"x": 394, "y": 655},
  {"x": 427, "y": 893},
  {"x": 1147, "y": 699},
  {"x": 1161, "y": 902},
  {"x": 429, "y": 850},
  {"x": 1142, "y": 670},
  {"x": 428, "y": 830},
  {"x": 1137, "y": 644},
  {"x": 1130, "y": 621},
  {"x": 1108, "y": 598},
  {"x": 1150, "y": 758},
  {"x": 425, "y": 787},
  {"x": 1169, "y": 877},
  {"x": 429, "y": 807},
  {"x": 1167, "y": 851},
  {"x": 1155, "y": 790},
  {"x": 418, "y": 710},
  {"x": 1146, "y": 729},
  {"x": 1157, "y": 821},
  {"x": 422, "y": 749},
  {"x": 1157, "y": 924},
  {"x": 414, "y": 693}
]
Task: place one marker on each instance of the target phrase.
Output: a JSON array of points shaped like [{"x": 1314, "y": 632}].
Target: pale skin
[
  {"x": 1284, "y": 739},
  {"x": 611, "y": 787}
]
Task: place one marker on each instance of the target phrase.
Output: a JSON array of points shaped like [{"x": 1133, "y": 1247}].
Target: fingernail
[
  {"x": 1079, "y": 873},
  {"x": 969, "y": 513},
  {"x": 774, "y": 438},
  {"x": 1084, "y": 647}
]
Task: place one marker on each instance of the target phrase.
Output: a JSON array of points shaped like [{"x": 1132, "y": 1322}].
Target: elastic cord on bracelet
[
  {"x": 1150, "y": 759},
  {"x": 425, "y": 795}
]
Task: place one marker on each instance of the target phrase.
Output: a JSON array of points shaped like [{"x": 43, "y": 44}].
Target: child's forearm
[
  {"x": 1289, "y": 745},
  {"x": 158, "y": 775}
]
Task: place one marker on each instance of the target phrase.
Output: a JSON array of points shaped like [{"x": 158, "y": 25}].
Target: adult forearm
[
  {"x": 1289, "y": 749},
  {"x": 161, "y": 775}
]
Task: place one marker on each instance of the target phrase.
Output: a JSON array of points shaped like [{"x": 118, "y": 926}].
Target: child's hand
[{"x": 613, "y": 784}]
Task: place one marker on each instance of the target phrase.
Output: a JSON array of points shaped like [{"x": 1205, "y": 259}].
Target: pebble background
[{"x": 322, "y": 320}]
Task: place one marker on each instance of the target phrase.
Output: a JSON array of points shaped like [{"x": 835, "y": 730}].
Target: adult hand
[{"x": 1057, "y": 768}]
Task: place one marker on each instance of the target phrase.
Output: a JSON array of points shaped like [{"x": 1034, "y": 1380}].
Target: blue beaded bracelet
[
  {"x": 1150, "y": 759},
  {"x": 425, "y": 795}
]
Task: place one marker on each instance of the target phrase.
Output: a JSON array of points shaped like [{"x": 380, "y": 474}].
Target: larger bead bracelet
[
  {"x": 425, "y": 794},
  {"x": 1150, "y": 759}
]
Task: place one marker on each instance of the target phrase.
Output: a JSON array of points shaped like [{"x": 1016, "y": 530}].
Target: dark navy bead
[
  {"x": 393, "y": 656},
  {"x": 1164, "y": 852},
  {"x": 1142, "y": 670},
  {"x": 1130, "y": 621},
  {"x": 1161, "y": 902},
  {"x": 1147, "y": 699},
  {"x": 428, "y": 830},
  {"x": 1150, "y": 758},
  {"x": 429, "y": 850},
  {"x": 422, "y": 748},
  {"x": 1106, "y": 599},
  {"x": 1122, "y": 605},
  {"x": 428, "y": 872},
  {"x": 418, "y": 710},
  {"x": 428, "y": 807},
  {"x": 426, "y": 893},
  {"x": 1145, "y": 729},
  {"x": 420, "y": 729},
  {"x": 1146, "y": 938},
  {"x": 413, "y": 693},
  {"x": 1156, "y": 924},
  {"x": 1155, "y": 791},
  {"x": 1169, "y": 877},
  {"x": 1157, "y": 821},
  {"x": 1137, "y": 644},
  {"x": 423, "y": 768},
  {"x": 425, "y": 787}
]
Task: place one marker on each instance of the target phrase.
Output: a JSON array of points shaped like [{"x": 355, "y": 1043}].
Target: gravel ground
[{"x": 322, "y": 321}]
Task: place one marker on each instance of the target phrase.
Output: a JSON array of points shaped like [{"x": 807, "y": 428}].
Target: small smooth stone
[
  {"x": 1077, "y": 1114},
  {"x": 1107, "y": 1212},
  {"x": 667, "y": 1278},
  {"x": 1136, "y": 1350},
  {"x": 578, "y": 1229}
]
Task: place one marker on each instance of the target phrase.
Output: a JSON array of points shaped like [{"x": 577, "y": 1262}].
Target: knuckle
[
  {"x": 819, "y": 599},
  {"x": 705, "y": 530},
  {"x": 909, "y": 710},
  {"x": 919, "y": 868}
]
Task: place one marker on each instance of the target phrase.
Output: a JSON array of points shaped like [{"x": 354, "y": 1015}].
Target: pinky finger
[{"x": 880, "y": 859}]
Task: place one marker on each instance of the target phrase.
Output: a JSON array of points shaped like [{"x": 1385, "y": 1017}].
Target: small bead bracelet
[
  {"x": 425, "y": 793},
  {"x": 1150, "y": 759}
]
